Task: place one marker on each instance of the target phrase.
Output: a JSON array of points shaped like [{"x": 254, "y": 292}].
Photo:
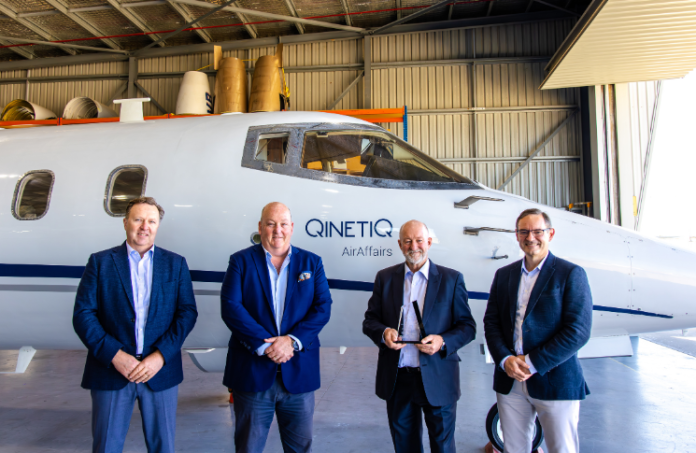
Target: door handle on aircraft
[
  {"x": 494, "y": 257},
  {"x": 468, "y": 201},
  {"x": 475, "y": 231}
]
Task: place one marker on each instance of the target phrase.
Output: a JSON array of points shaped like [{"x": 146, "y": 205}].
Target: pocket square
[{"x": 304, "y": 276}]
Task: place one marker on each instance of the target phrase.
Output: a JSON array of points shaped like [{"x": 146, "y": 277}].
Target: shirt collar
[
  {"x": 131, "y": 250},
  {"x": 424, "y": 271},
  {"x": 524, "y": 267},
  {"x": 268, "y": 254}
]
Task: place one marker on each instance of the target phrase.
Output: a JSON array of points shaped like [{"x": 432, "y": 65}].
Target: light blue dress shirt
[
  {"x": 415, "y": 286},
  {"x": 527, "y": 282},
  {"x": 279, "y": 288},
  {"x": 141, "y": 281}
]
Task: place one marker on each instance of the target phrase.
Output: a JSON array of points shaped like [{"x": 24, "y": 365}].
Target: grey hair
[
  {"x": 534, "y": 211},
  {"x": 417, "y": 221}
]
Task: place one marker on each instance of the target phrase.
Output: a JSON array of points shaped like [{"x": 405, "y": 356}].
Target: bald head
[
  {"x": 275, "y": 228},
  {"x": 415, "y": 241},
  {"x": 275, "y": 205}
]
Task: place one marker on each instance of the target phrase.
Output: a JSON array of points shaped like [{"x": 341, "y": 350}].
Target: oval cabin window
[
  {"x": 32, "y": 195},
  {"x": 124, "y": 184}
]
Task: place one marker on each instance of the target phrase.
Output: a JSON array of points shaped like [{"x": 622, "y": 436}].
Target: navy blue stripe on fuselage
[{"x": 60, "y": 271}]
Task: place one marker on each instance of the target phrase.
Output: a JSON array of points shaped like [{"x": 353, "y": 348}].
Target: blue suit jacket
[
  {"x": 104, "y": 317},
  {"x": 556, "y": 325},
  {"x": 247, "y": 309},
  {"x": 445, "y": 312}
]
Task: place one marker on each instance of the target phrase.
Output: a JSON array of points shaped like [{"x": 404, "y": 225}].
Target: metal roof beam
[
  {"x": 60, "y": 6},
  {"x": 183, "y": 12},
  {"x": 253, "y": 12},
  {"x": 249, "y": 28},
  {"x": 347, "y": 10},
  {"x": 215, "y": 9},
  {"x": 479, "y": 22},
  {"x": 31, "y": 26},
  {"x": 134, "y": 18},
  {"x": 59, "y": 44},
  {"x": 18, "y": 50},
  {"x": 410, "y": 17},
  {"x": 291, "y": 7}
]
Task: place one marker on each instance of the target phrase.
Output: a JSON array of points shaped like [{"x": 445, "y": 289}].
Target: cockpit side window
[
  {"x": 373, "y": 155},
  {"x": 33, "y": 195},
  {"x": 273, "y": 148},
  {"x": 355, "y": 154},
  {"x": 124, "y": 184}
]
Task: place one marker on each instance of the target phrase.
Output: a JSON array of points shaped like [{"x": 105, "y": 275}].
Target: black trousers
[{"x": 405, "y": 420}]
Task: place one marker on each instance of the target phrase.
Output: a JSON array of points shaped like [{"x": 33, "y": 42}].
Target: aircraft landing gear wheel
[{"x": 495, "y": 433}]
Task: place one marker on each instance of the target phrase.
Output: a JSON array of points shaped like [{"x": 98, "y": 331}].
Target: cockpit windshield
[{"x": 372, "y": 154}]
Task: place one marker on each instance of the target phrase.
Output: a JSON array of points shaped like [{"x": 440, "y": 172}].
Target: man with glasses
[{"x": 539, "y": 315}]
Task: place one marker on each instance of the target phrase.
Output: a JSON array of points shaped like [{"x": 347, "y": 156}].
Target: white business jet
[{"x": 349, "y": 184}]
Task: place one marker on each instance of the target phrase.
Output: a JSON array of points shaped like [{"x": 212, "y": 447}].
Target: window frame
[
  {"x": 19, "y": 184},
  {"x": 293, "y": 163},
  {"x": 109, "y": 185}
]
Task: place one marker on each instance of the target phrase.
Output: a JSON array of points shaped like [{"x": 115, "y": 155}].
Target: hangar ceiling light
[{"x": 618, "y": 41}]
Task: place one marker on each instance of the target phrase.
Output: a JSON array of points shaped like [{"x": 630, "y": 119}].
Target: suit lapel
[
  {"x": 431, "y": 291},
  {"x": 259, "y": 257},
  {"x": 158, "y": 277},
  {"x": 293, "y": 274},
  {"x": 120, "y": 257},
  {"x": 398, "y": 293},
  {"x": 544, "y": 276},
  {"x": 513, "y": 289}
]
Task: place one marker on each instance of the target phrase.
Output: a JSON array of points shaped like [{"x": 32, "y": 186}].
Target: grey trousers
[
  {"x": 112, "y": 411},
  {"x": 559, "y": 420},
  {"x": 253, "y": 413}
]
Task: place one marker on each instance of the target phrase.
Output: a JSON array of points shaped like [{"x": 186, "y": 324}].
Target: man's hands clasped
[
  {"x": 281, "y": 350},
  {"x": 516, "y": 367},
  {"x": 138, "y": 371}
]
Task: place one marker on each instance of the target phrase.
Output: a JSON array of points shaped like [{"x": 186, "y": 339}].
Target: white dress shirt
[
  {"x": 527, "y": 282},
  {"x": 415, "y": 286},
  {"x": 141, "y": 282},
  {"x": 279, "y": 288}
]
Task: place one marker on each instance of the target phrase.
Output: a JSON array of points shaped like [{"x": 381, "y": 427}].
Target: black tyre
[{"x": 495, "y": 433}]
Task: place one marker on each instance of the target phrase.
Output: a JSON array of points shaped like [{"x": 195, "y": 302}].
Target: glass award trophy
[{"x": 421, "y": 328}]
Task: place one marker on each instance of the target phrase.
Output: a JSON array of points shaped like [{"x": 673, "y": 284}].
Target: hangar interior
[{"x": 500, "y": 91}]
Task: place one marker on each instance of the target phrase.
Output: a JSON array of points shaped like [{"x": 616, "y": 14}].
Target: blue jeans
[
  {"x": 253, "y": 413},
  {"x": 112, "y": 411}
]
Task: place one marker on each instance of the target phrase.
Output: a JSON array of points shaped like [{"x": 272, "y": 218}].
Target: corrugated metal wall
[
  {"x": 642, "y": 97},
  {"x": 455, "y": 109}
]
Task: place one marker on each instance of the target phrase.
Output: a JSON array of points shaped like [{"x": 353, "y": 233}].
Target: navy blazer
[
  {"x": 247, "y": 309},
  {"x": 556, "y": 325},
  {"x": 104, "y": 316},
  {"x": 445, "y": 312}
]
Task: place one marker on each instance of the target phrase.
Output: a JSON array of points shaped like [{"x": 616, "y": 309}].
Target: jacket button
[{"x": 132, "y": 319}]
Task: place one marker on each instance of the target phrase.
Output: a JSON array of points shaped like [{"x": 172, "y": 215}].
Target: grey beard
[{"x": 411, "y": 260}]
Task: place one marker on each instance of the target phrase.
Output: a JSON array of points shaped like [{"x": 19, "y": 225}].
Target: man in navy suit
[
  {"x": 424, "y": 376},
  {"x": 275, "y": 300},
  {"x": 133, "y": 310},
  {"x": 539, "y": 315}
]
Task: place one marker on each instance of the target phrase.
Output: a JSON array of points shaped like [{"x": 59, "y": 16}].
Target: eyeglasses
[{"x": 536, "y": 233}]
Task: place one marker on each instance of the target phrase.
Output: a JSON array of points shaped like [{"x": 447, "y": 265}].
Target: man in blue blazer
[
  {"x": 539, "y": 315},
  {"x": 275, "y": 300},
  {"x": 133, "y": 310},
  {"x": 423, "y": 378}
]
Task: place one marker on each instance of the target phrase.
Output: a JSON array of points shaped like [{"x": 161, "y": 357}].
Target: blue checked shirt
[
  {"x": 279, "y": 288},
  {"x": 527, "y": 282},
  {"x": 141, "y": 281},
  {"x": 415, "y": 286}
]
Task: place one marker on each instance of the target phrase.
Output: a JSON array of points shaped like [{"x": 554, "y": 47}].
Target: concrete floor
[{"x": 645, "y": 403}]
